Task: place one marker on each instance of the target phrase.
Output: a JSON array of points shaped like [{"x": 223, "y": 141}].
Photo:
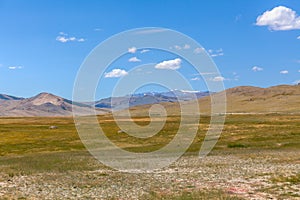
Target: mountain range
[
  {"x": 43, "y": 104},
  {"x": 46, "y": 104},
  {"x": 119, "y": 103},
  {"x": 243, "y": 99}
]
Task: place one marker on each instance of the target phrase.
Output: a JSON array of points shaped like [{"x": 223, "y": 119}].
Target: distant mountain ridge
[
  {"x": 119, "y": 103},
  {"x": 43, "y": 104},
  {"x": 8, "y": 97},
  {"x": 242, "y": 99},
  {"x": 47, "y": 104}
]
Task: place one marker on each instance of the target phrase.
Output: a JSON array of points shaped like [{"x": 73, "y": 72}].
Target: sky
[{"x": 44, "y": 43}]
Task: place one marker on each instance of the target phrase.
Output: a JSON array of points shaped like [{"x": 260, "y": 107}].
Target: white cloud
[
  {"x": 199, "y": 50},
  {"x": 299, "y": 70},
  {"x": 178, "y": 47},
  {"x": 132, "y": 49},
  {"x": 63, "y": 37},
  {"x": 218, "y": 78},
  {"x": 97, "y": 29},
  {"x": 298, "y": 37},
  {"x": 279, "y": 18},
  {"x": 115, "y": 73},
  {"x": 235, "y": 76},
  {"x": 257, "y": 69},
  {"x": 81, "y": 40},
  {"x": 216, "y": 53},
  {"x": 284, "y": 72},
  {"x": 15, "y": 67},
  {"x": 134, "y": 59},
  {"x": 186, "y": 46},
  {"x": 207, "y": 73},
  {"x": 195, "y": 79},
  {"x": 145, "y": 50},
  {"x": 169, "y": 64}
]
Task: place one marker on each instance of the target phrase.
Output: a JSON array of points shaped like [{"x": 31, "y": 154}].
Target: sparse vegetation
[
  {"x": 195, "y": 195},
  {"x": 236, "y": 145},
  {"x": 260, "y": 151}
]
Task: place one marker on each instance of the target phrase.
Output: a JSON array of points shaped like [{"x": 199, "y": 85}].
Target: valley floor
[
  {"x": 52, "y": 164},
  {"x": 246, "y": 175}
]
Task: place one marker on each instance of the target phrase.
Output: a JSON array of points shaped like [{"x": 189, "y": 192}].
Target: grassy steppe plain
[{"x": 257, "y": 156}]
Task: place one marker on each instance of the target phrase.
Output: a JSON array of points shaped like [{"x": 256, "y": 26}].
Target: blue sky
[{"x": 43, "y": 43}]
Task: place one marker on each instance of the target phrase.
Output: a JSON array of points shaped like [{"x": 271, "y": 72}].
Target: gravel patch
[{"x": 246, "y": 176}]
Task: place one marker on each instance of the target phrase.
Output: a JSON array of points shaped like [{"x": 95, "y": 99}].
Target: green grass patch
[
  {"x": 27, "y": 144},
  {"x": 237, "y": 145}
]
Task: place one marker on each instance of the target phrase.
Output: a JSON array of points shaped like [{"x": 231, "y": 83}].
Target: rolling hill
[{"x": 240, "y": 100}]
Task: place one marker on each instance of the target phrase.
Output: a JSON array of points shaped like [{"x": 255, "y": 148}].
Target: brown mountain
[
  {"x": 43, "y": 104},
  {"x": 276, "y": 99},
  {"x": 242, "y": 100}
]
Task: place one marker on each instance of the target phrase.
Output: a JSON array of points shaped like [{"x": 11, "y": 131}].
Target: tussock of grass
[
  {"x": 236, "y": 145},
  {"x": 194, "y": 195},
  {"x": 295, "y": 179}
]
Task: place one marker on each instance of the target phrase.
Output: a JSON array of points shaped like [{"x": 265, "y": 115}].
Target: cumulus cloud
[
  {"x": 257, "y": 69},
  {"x": 115, "y": 73},
  {"x": 132, "y": 49},
  {"x": 298, "y": 37},
  {"x": 81, "y": 40},
  {"x": 218, "y": 79},
  {"x": 169, "y": 64},
  {"x": 63, "y": 37},
  {"x": 134, "y": 59},
  {"x": 279, "y": 18},
  {"x": 284, "y": 72},
  {"x": 15, "y": 67},
  {"x": 199, "y": 50}
]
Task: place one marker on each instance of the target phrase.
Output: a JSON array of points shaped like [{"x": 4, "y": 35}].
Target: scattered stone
[{"x": 249, "y": 178}]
